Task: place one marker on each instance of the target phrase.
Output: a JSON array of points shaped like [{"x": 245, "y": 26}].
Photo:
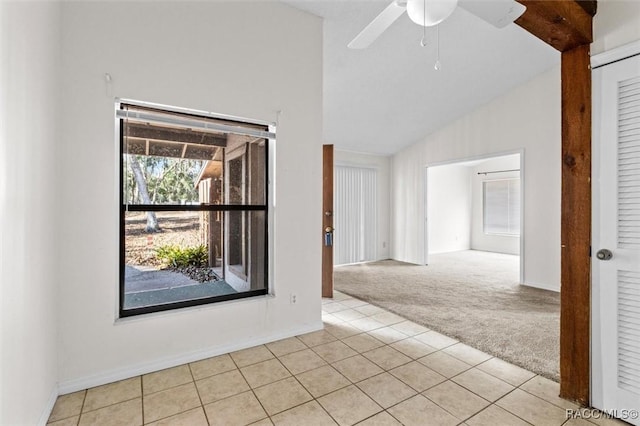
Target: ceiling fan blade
[
  {"x": 498, "y": 13},
  {"x": 376, "y": 27}
]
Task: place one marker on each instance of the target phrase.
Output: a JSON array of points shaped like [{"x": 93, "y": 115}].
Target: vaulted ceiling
[{"x": 388, "y": 96}]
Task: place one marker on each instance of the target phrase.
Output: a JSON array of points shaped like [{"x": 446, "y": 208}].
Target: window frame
[
  {"x": 484, "y": 208},
  {"x": 124, "y": 208}
]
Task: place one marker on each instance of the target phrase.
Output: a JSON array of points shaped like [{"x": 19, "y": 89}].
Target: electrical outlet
[
  {"x": 293, "y": 298},
  {"x": 384, "y": 244}
]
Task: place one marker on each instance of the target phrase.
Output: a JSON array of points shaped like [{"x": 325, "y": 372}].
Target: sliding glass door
[{"x": 355, "y": 215}]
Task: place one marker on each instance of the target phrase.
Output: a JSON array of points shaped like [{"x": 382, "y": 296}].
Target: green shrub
[{"x": 181, "y": 257}]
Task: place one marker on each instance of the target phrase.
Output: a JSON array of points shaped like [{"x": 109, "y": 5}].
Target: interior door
[
  {"x": 616, "y": 238},
  {"x": 327, "y": 221}
]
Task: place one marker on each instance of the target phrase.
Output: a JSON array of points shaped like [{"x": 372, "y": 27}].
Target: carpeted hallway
[{"x": 472, "y": 296}]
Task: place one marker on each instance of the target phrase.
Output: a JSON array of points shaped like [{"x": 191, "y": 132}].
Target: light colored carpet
[{"x": 472, "y": 296}]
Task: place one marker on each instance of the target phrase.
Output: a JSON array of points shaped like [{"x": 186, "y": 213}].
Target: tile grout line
[
  {"x": 198, "y": 392},
  {"x": 250, "y": 387},
  {"x": 506, "y": 409},
  {"x": 315, "y": 399},
  {"x": 397, "y": 403},
  {"x": 253, "y": 389},
  {"x": 539, "y": 397},
  {"x": 84, "y": 398},
  {"x": 193, "y": 381},
  {"x": 141, "y": 399},
  {"x": 296, "y": 379},
  {"x": 462, "y": 420},
  {"x": 174, "y": 414},
  {"x": 109, "y": 405}
]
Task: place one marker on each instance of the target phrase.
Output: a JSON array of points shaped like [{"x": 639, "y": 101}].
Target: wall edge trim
[{"x": 48, "y": 408}]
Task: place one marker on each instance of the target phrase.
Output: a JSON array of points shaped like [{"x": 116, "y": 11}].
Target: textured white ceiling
[{"x": 388, "y": 96}]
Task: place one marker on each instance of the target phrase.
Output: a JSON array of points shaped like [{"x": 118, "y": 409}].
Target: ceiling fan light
[{"x": 437, "y": 11}]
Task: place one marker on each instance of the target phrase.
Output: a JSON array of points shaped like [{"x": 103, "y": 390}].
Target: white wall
[
  {"x": 29, "y": 47},
  {"x": 448, "y": 208},
  {"x": 382, "y": 164},
  {"x": 616, "y": 23},
  {"x": 248, "y": 59},
  {"x": 527, "y": 118},
  {"x": 507, "y": 244}
]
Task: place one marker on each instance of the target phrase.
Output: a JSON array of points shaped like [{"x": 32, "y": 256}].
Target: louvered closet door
[{"x": 616, "y": 282}]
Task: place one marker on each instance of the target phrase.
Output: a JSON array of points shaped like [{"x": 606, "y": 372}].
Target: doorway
[{"x": 476, "y": 204}]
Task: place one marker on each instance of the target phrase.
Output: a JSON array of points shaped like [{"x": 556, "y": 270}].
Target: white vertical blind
[
  {"x": 354, "y": 215},
  {"x": 502, "y": 206}
]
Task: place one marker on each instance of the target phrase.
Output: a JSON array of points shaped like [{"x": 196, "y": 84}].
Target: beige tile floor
[{"x": 367, "y": 367}]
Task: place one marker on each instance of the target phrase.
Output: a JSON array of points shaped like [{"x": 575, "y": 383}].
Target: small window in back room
[
  {"x": 193, "y": 211},
  {"x": 501, "y": 207}
]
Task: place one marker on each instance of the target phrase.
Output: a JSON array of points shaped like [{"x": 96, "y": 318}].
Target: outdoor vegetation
[
  {"x": 181, "y": 257},
  {"x": 164, "y": 240},
  {"x": 160, "y": 180}
]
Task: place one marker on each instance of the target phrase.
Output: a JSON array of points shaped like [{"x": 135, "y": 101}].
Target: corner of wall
[
  {"x": 48, "y": 408},
  {"x": 29, "y": 83}
]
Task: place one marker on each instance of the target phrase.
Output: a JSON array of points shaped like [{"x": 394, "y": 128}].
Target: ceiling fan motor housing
[
  {"x": 436, "y": 11},
  {"x": 498, "y": 13}
]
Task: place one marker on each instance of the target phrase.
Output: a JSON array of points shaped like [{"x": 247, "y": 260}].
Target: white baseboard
[
  {"x": 69, "y": 386},
  {"x": 46, "y": 412}
]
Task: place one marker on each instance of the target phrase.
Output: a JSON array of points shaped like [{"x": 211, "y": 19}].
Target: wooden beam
[
  {"x": 563, "y": 24},
  {"x": 589, "y": 6},
  {"x": 575, "y": 307}
]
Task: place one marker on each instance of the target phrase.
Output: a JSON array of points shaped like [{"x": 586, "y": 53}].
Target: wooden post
[
  {"x": 575, "y": 308},
  {"x": 567, "y": 25}
]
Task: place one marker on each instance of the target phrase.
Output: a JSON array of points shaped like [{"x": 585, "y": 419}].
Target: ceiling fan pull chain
[
  {"x": 437, "y": 64},
  {"x": 423, "y": 42}
]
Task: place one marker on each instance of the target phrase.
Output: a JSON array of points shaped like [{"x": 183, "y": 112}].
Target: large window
[
  {"x": 502, "y": 207},
  {"x": 193, "y": 209}
]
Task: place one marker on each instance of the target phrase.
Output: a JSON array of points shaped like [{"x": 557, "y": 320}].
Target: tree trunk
[{"x": 152, "y": 221}]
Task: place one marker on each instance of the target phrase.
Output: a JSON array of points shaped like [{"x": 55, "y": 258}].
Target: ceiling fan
[{"x": 498, "y": 13}]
